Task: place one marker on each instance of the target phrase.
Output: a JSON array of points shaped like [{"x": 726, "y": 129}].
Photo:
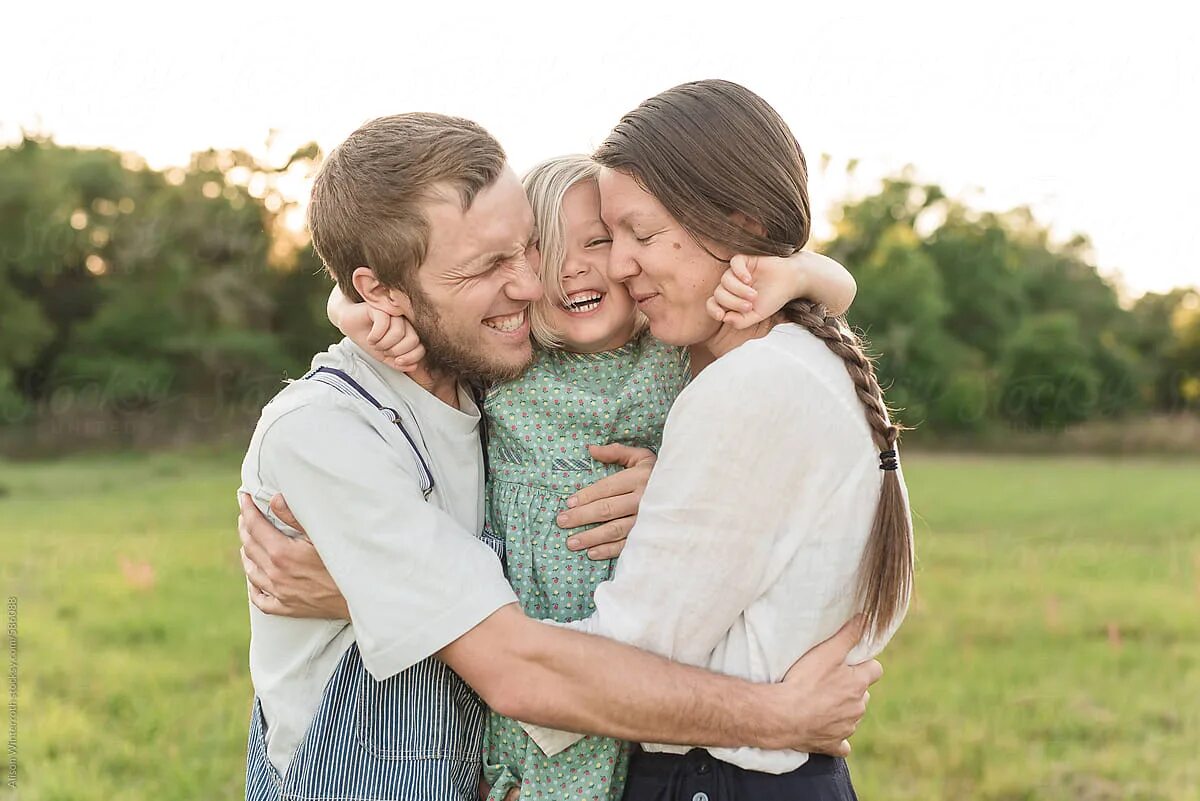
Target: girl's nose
[{"x": 576, "y": 268}]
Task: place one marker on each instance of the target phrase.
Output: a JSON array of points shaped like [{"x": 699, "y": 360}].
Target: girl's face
[
  {"x": 668, "y": 274},
  {"x": 598, "y": 314}
]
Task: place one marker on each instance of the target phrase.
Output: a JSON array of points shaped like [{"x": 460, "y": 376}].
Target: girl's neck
[
  {"x": 588, "y": 352},
  {"x": 726, "y": 339}
]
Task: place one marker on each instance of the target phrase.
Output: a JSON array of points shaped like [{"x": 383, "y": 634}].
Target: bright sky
[{"x": 1088, "y": 115}]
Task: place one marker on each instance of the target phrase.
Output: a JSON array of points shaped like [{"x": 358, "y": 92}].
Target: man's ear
[
  {"x": 748, "y": 224},
  {"x": 395, "y": 302}
]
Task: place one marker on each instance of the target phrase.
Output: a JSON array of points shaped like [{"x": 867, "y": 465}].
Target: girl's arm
[
  {"x": 391, "y": 340},
  {"x": 756, "y": 287}
]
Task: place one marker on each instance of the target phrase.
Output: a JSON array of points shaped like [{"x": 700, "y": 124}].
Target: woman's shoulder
[{"x": 786, "y": 371}]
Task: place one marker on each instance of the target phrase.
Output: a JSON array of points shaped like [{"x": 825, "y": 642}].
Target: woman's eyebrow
[{"x": 627, "y": 220}]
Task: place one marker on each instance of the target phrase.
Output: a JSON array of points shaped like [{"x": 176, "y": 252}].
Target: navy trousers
[{"x": 698, "y": 776}]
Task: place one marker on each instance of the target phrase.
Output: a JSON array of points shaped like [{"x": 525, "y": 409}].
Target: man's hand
[
  {"x": 285, "y": 575},
  {"x": 828, "y": 695},
  {"x": 612, "y": 501}
]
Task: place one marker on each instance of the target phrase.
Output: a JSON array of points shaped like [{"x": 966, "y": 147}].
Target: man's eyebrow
[{"x": 483, "y": 258}]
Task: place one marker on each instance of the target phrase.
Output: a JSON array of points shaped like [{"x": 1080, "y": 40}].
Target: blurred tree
[
  {"x": 901, "y": 306},
  {"x": 1045, "y": 378},
  {"x": 123, "y": 287},
  {"x": 137, "y": 285},
  {"x": 1156, "y": 330},
  {"x": 1183, "y": 354},
  {"x": 954, "y": 299},
  {"x": 979, "y": 270}
]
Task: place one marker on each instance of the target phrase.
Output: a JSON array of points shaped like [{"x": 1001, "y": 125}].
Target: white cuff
[{"x": 551, "y": 741}]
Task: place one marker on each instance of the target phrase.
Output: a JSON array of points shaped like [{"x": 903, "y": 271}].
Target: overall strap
[
  {"x": 479, "y": 395},
  {"x": 343, "y": 383}
]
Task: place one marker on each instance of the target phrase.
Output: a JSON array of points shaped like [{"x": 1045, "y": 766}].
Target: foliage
[
  {"x": 132, "y": 287},
  {"x": 125, "y": 289},
  {"x": 981, "y": 319}
]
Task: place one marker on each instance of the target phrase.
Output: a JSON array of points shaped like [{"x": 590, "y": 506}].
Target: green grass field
[{"x": 1052, "y": 652}]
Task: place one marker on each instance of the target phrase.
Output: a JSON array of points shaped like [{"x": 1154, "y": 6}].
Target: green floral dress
[{"x": 538, "y": 428}]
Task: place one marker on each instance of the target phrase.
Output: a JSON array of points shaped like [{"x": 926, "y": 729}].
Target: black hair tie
[{"x": 888, "y": 460}]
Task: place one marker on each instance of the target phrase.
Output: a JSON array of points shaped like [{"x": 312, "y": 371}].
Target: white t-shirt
[
  {"x": 747, "y": 545},
  {"x": 414, "y": 573}
]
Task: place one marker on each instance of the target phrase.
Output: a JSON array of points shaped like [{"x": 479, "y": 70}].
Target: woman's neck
[{"x": 726, "y": 339}]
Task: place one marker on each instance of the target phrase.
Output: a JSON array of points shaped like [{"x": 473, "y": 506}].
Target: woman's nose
[{"x": 621, "y": 264}]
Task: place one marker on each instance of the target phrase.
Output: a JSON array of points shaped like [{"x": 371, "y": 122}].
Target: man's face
[{"x": 477, "y": 282}]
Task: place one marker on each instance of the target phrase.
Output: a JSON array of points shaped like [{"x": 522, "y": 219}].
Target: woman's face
[
  {"x": 668, "y": 274},
  {"x": 599, "y": 315}
]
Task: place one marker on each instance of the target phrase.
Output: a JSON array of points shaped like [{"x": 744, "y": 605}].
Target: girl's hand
[
  {"x": 755, "y": 287},
  {"x": 391, "y": 340}
]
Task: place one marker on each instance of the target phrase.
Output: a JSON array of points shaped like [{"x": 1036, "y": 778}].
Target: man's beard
[{"x": 445, "y": 355}]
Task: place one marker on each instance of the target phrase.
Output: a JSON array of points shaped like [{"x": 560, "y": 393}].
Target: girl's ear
[{"x": 395, "y": 302}]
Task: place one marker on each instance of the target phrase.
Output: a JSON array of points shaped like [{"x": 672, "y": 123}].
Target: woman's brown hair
[{"x": 728, "y": 168}]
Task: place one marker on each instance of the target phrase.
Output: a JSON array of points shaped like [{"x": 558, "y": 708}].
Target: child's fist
[{"x": 391, "y": 340}]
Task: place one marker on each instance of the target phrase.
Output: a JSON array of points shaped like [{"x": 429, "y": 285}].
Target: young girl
[{"x": 597, "y": 377}]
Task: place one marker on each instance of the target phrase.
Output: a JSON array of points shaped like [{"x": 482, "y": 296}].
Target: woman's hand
[
  {"x": 612, "y": 501},
  {"x": 391, "y": 340},
  {"x": 753, "y": 288},
  {"x": 285, "y": 575}
]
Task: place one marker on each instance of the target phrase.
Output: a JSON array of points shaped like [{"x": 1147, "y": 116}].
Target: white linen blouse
[{"x": 748, "y": 540}]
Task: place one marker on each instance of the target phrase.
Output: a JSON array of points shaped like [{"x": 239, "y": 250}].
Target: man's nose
[{"x": 525, "y": 284}]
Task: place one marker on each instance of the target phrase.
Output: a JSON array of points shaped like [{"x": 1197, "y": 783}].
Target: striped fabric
[{"x": 416, "y": 736}]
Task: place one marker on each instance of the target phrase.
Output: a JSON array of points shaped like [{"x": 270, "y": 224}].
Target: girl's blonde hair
[{"x": 546, "y": 185}]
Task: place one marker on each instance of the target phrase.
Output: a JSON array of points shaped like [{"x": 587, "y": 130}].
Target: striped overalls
[{"x": 416, "y": 736}]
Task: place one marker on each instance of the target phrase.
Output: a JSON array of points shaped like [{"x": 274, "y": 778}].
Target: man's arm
[
  {"x": 551, "y": 676},
  {"x": 577, "y": 682}
]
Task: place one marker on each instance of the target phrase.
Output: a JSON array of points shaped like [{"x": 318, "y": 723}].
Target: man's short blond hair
[{"x": 366, "y": 208}]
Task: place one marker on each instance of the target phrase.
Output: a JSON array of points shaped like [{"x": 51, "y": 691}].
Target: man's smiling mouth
[{"x": 508, "y": 323}]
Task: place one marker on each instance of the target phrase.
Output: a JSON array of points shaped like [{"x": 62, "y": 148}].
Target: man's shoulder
[{"x": 307, "y": 404}]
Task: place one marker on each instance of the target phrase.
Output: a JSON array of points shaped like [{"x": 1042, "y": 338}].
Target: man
[{"x": 419, "y": 215}]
